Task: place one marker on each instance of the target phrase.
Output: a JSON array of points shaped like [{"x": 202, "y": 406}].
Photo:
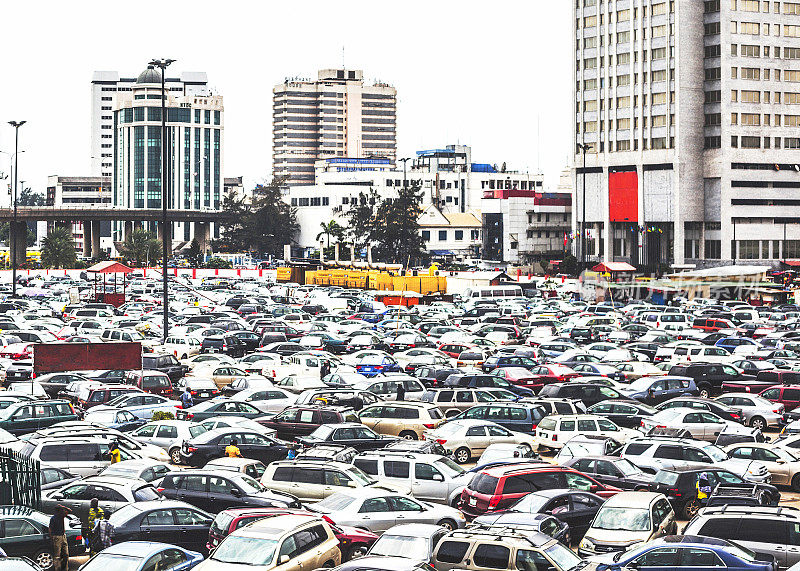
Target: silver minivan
[{"x": 78, "y": 456}]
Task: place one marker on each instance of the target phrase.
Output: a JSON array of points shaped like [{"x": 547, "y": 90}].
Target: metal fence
[{"x": 20, "y": 480}]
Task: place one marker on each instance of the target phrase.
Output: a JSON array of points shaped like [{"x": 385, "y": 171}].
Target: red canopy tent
[
  {"x": 612, "y": 267},
  {"x": 110, "y": 267}
]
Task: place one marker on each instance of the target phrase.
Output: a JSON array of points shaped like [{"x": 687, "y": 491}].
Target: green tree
[
  {"x": 58, "y": 248},
  {"x": 331, "y": 230},
  {"x": 361, "y": 220},
  {"x": 29, "y": 198},
  {"x": 261, "y": 226},
  {"x": 219, "y": 263},
  {"x": 194, "y": 255},
  {"x": 397, "y": 234},
  {"x": 141, "y": 246}
]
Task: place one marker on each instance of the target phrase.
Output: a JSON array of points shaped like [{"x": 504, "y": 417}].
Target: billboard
[
  {"x": 57, "y": 357},
  {"x": 623, "y": 196}
]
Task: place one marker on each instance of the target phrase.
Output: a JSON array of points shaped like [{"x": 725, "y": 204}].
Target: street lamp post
[
  {"x": 16, "y": 125},
  {"x": 404, "y": 160},
  {"x": 162, "y": 64},
  {"x": 583, "y": 147}
]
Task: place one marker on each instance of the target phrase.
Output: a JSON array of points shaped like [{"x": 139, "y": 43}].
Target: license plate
[
  {"x": 203, "y": 394},
  {"x": 472, "y": 501}
]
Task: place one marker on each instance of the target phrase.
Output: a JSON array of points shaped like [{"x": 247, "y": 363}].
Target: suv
[
  {"x": 708, "y": 377},
  {"x": 216, "y": 490},
  {"x": 27, "y": 535},
  {"x": 430, "y": 477},
  {"x": 303, "y": 420},
  {"x": 472, "y": 380},
  {"x": 166, "y": 363},
  {"x": 453, "y": 401},
  {"x": 229, "y": 345},
  {"x": 154, "y": 382},
  {"x": 81, "y": 456},
  {"x": 93, "y": 395},
  {"x": 498, "y": 487},
  {"x": 787, "y": 395},
  {"x": 25, "y": 416},
  {"x": 587, "y": 392},
  {"x": 657, "y": 453},
  {"x": 771, "y": 530},
  {"x": 311, "y": 480},
  {"x": 518, "y": 416},
  {"x": 557, "y": 405},
  {"x": 404, "y": 419},
  {"x": 497, "y": 547}
]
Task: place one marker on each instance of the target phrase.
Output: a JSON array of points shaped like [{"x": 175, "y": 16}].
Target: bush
[
  {"x": 219, "y": 263},
  {"x": 162, "y": 415}
]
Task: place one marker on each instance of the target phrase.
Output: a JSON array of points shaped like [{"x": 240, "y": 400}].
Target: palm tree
[
  {"x": 58, "y": 248},
  {"x": 140, "y": 246},
  {"x": 331, "y": 229}
]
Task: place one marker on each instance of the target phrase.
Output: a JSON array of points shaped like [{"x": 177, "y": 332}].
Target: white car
[
  {"x": 556, "y": 430},
  {"x": 637, "y": 369},
  {"x": 182, "y": 347},
  {"x": 701, "y": 424},
  {"x": 268, "y": 399},
  {"x": 208, "y": 359},
  {"x": 469, "y": 438}
]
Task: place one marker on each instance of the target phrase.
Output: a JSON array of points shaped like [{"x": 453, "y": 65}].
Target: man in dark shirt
[{"x": 59, "y": 538}]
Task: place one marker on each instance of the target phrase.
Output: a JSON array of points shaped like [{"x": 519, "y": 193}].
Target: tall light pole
[
  {"x": 583, "y": 147},
  {"x": 162, "y": 64},
  {"x": 16, "y": 125},
  {"x": 404, "y": 160}
]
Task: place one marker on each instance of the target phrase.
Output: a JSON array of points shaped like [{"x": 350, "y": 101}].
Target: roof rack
[
  {"x": 752, "y": 509},
  {"x": 499, "y": 533}
]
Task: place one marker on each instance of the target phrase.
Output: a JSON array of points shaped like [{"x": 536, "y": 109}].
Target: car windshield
[
  {"x": 248, "y": 484},
  {"x": 221, "y": 523},
  {"x": 333, "y": 503},
  {"x": 623, "y": 519},
  {"x": 627, "y": 467},
  {"x": 531, "y": 503},
  {"x": 197, "y": 430},
  {"x": 245, "y": 550},
  {"x": 641, "y": 384},
  {"x": 402, "y": 546},
  {"x": 564, "y": 559},
  {"x": 103, "y": 561},
  {"x": 449, "y": 467},
  {"x": 716, "y": 453}
]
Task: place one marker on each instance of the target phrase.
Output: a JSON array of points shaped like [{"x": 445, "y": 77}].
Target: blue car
[
  {"x": 141, "y": 555},
  {"x": 373, "y": 365},
  {"x": 688, "y": 552},
  {"x": 731, "y": 343}
]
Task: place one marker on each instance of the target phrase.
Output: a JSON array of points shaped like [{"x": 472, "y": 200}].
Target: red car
[
  {"x": 787, "y": 395},
  {"x": 453, "y": 350},
  {"x": 498, "y": 487},
  {"x": 519, "y": 376},
  {"x": 352, "y": 541}
]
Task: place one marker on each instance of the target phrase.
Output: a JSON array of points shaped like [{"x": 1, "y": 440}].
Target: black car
[
  {"x": 284, "y": 349},
  {"x": 709, "y": 377},
  {"x": 545, "y": 523},
  {"x": 251, "y": 340},
  {"x": 108, "y": 376},
  {"x": 297, "y": 421},
  {"x": 18, "y": 371},
  {"x": 472, "y": 381},
  {"x": 611, "y": 470},
  {"x": 201, "y": 389},
  {"x": 574, "y": 507},
  {"x": 24, "y": 533},
  {"x": 583, "y": 335},
  {"x": 433, "y": 375},
  {"x": 588, "y": 393},
  {"x": 227, "y": 344},
  {"x": 495, "y": 361},
  {"x": 218, "y": 490},
  {"x": 174, "y": 522},
  {"x": 167, "y": 364},
  {"x": 623, "y": 412},
  {"x": 679, "y": 484},
  {"x": 350, "y": 434},
  {"x": 648, "y": 349},
  {"x": 209, "y": 445},
  {"x": 518, "y": 416},
  {"x": 53, "y": 383}
]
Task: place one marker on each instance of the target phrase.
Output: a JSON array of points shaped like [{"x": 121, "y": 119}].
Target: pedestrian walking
[
  {"x": 114, "y": 453},
  {"x": 232, "y": 450},
  {"x": 186, "y": 399},
  {"x": 401, "y": 391},
  {"x": 324, "y": 369},
  {"x": 58, "y": 536},
  {"x": 104, "y": 531},
  {"x": 95, "y": 514}
]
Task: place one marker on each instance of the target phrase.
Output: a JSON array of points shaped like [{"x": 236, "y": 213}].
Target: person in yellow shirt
[
  {"x": 113, "y": 453},
  {"x": 232, "y": 450}
]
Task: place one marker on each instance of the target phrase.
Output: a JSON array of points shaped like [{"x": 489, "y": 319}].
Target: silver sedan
[
  {"x": 378, "y": 510},
  {"x": 757, "y": 412}
]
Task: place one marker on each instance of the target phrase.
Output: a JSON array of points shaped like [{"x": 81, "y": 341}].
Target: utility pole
[{"x": 14, "y": 261}]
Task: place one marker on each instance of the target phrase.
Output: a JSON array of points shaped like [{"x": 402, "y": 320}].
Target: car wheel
[
  {"x": 44, "y": 559},
  {"x": 758, "y": 423},
  {"x": 408, "y": 435},
  {"x": 527, "y": 448},
  {"x": 448, "y": 524},
  {"x": 462, "y": 455},
  {"x": 357, "y": 551},
  {"x": 328, "y": 564},
  {"x": 796, "y": 483},
  {"x": 705, "y": 392},
  {"x": 175, "y": 455},
  {"x": 691, "y": 508}
]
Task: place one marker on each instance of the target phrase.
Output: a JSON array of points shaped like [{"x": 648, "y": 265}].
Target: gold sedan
[{"x": 781, "y": 463}]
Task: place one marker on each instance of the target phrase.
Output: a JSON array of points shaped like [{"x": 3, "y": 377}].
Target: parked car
[
  {"x": 24, "y": 417},
  {"x": 147, "y": 555},
  {"x": 611, "y": 470},
  {"x": 139, "y": 469},
  {"x": 576, "y": 508},
  {"x": 403, "y": 419},
  {"x": 113, "y": 493},
  {"x": 655, "y": 390},
  {"x": 352, "y": 434},
  {"x": 624, "y": 413},
  {"x": 701, "y": 424},
  {"x": 468, "y": 438},
  {"x": 554, "y": 431},
  {"x": 756, "y": 411},
  {"x": 26, "y": 534},
  {"x": 218, "y": 407},
  {"x": 543, "y": 523},
  {"x": 303, "y": 420},
  {"x": 782, "y": 464},
  {"x": 517, "y": 416},
  {"x": 169, "y": 435},
  {"x": 211, "y": 444}
]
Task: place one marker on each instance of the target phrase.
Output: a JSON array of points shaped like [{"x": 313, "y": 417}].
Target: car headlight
[{"x": 586, "y": 544}]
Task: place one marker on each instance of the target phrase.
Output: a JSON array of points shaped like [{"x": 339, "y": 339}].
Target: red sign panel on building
[{"x": 623, "y": 196}]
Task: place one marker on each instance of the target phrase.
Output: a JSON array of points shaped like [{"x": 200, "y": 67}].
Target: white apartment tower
[
  {"x": 105, "y": 87},
  {"x": 687, "y": 116},
  {"x": 335, "y": 116}
]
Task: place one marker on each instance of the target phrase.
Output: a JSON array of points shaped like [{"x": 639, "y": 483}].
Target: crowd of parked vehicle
[{"x": 301, "y": 427}]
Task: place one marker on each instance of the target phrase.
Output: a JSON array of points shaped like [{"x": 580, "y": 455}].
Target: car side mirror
[
  {"x": 593, "y": 488},
  {"x": 438, "y": 478},
  {"x": 283, "y": 559},
  {"x": 781, "y": 461},
  {"x": 58, "y": 497},
  {"x": 236, "y": 492}
]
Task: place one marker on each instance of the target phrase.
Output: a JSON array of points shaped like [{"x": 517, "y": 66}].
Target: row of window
[
  {"x": 655, "y": 143},
  {"x": 458, "y": 235},
  {"x": 312, "y": 201}
]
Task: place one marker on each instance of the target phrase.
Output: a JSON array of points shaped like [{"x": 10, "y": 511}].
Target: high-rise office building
[
  {"x": 195, "y": 150},
  {"x": 335, "y": 116},
  {"x": 685, "y": 114},
  {"x": 105, "y": 87}
]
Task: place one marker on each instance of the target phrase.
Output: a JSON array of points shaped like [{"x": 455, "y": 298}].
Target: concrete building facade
[
  {"x": 684, "y": 116},
  {"x": 337, "y": 115},
  {"x": 82, "y": 192},
  {"x": 105, "y": 86},
  {"x": 195, "y": 139}
]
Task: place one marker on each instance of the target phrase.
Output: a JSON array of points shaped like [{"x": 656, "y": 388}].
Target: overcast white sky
[{"x": 469, "y": 72}]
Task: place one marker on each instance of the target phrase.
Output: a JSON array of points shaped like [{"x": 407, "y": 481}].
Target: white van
[{"x": 499, "y": 291}]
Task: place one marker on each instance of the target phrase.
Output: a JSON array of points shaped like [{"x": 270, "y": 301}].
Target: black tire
[
  {"x": 356, "y": 551},
  {"x": 44, "y": 559},
  {"x": 409, "y": 435},
  {"x": 448, "y": 524},
  {"x": 691, "y": 508},
  {"x": 328, "y": 564},
  {"x": 705, "y": 391},
  {"x": 796, "y": 483},
  {"x": 462, "y": 455},
  {"x": 758, "y": 423},
  {"x": 175, "y": 456}
]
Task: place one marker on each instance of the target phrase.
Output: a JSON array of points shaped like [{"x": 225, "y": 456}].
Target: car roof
[
  {"x": 632, "y": 499},
  {"x": 143, "y": 549},
  {"x": 282, "y": 522},
  {"x": 522, "y": 467},
  {"x": 231, "y": 462},
  {"x": 414, "y": 529}
]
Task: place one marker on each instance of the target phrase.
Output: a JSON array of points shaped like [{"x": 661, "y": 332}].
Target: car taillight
[
  {"x": 776, "y": 410},
  {"x": 193, "y": 392},
  {"x": 429, "y": 425},
  {"x": 79, "y": 539},
  {"x": 441, "y": 441},
  {"x": 674, "y": 492},
  {"x": 734, "y": 416},
  {"x": 160, "y": 490},
  {"x": 191, "y": 449},
  {"x": 190, "y": 415},
  {"x": 493, "y": 501}
]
